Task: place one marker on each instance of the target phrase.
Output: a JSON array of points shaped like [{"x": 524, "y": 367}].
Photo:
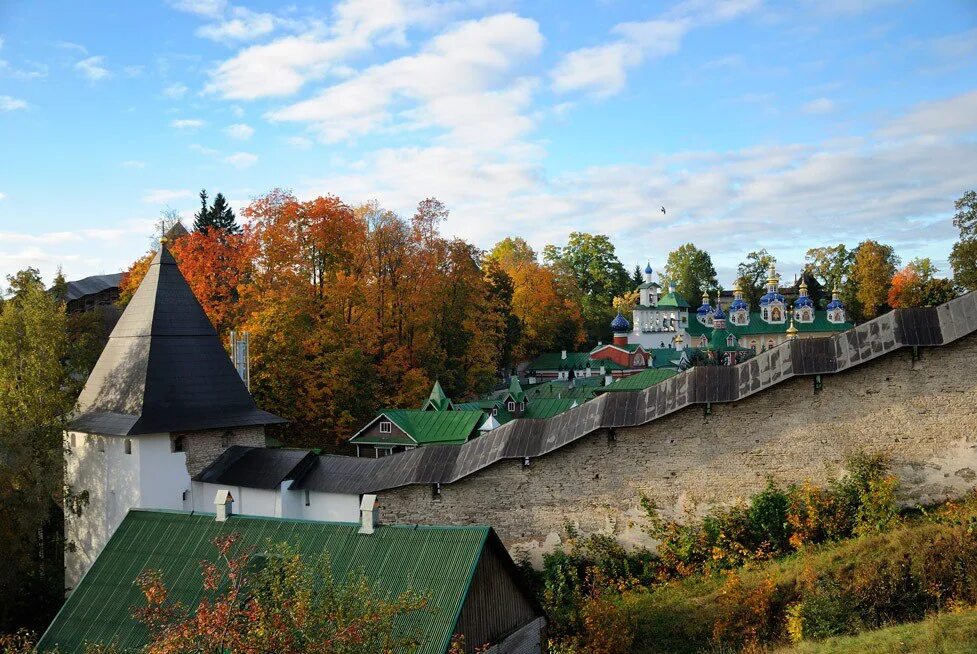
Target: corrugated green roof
[
  {"x": 648, "y": 285},
  {"x": 641, "y": 380},
  {"x": 547, "y": 407},
  {"x": 437, "y": 561},
  {"x": 429, "y": 427}
]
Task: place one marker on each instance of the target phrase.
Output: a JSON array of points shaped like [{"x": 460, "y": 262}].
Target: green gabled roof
[
  {"x": 438, "y": 401},
  {"x": 665, "y": 357},
  {"x": 555, "y": 361},
  {"x": 437, "y": 561},
  {"x": 429, "y": 427},
  {"x": 515, "y": 390},
  {"x": 641, "y": 380},
  {"x": 547, "y": 407},
  {"x": 673, "y": 300},
  {"x": 648, "y": 285}
]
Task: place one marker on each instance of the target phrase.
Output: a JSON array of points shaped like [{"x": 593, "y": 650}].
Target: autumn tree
[
  {"x": 752, "y": 275},
  {"x": 832, "y": 267},
  {"x": 916, "y": 285},
  {"x": 691, "y": 270},
  {"x": 275, "y": 601},
  {"x": 591, "y": 262},
  {"x": 872, "y": 271},
  {"x": 963, "y": 256}
]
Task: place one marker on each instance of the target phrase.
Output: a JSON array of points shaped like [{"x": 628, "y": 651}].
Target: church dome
[
  {"x": 835, "y": 304},
  {"x": 706, "y": 308},
  {"x": 620, "y": 324},
  {"x": 767, "y": 298},
  {"x": 719, "y": 315},
  {"x": 648, "y": 268},
  {"x": 739, "y": 304},
  {"x": 803, "y": 301}
]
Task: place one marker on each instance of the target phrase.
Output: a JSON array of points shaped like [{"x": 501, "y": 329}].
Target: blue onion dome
[
  {"x": 620, "y": 324},
  {"x": 803, "y": 301},
  {"x": 767, "y": 298},
  {"x": 719, "y": 315},
  {"x": 706, "y": 308},
  {"x": 835, "y": 304},
  {"x": 648, "y": 268},
  {"x": 739, "y": 304}
]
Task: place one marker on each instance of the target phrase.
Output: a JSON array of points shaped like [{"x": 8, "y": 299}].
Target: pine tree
[
  {"x": 202, "y": 219},
  {"x": 218, "y": 216},
  {"x": 222, "y": 216}
]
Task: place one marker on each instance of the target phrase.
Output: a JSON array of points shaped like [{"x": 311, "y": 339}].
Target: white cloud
[
  {"x": 186, "y": 123},
  {"x": 457, "y": 83},
  {"x": 32, "y": 71},
  {"x": 175, "y": 91},
  {"x": 239, "y": 131},
  {"x": 283, "y": 66},
  {"x": 3, "y": 196},
  {"x": 207, "y": 8},
  {"x": 819, "y": 106},
  {"x": 777, "y": 196},
  {"x": 162, "y": 196},
  {"x": 133, "y": 163},
  {"x": 133, "y": 71},
  {"x": 950, "y": 116},
  {"x": 299, "y": 142},
  {"x": 241, "y": 159},
  {"x": 244, "y": 25},
  {"x": 92, "y": 68},
  {"x": 602, "y": 70},
  {"x": 8, "y": 103},
  {"x": 207, "y": 152}
]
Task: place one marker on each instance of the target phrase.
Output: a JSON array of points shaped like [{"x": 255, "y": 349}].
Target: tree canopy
[
  {"x": 692, "y": 272},
  {"x": 219, "y": 216}
]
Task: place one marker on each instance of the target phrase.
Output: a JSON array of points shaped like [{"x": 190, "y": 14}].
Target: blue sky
[{"x": 778, "y": 125}]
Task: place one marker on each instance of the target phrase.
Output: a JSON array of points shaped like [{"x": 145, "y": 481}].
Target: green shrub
[{"x": 825, "y": 611}]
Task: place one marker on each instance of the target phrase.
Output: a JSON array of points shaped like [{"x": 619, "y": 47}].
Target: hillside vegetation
[{"x": 802, "y": 569}]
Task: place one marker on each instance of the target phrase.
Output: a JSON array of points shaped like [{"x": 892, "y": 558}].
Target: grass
[
  {"x": 678, "y": 618},
  {"x": 945, "y": 633}
]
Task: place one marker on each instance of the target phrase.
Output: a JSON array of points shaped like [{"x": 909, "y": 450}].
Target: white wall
[
  {"x": 331, "y": 507},
  {"x": 247, "y": 501},
  {"x": 149, "y": 476}
]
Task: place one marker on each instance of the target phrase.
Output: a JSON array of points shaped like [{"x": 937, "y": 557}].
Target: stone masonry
[
  {"x": 919, "y": 411},
  {"x": 203, "y": 447}
]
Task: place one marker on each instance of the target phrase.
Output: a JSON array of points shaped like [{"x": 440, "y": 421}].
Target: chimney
[
  {"x": 223, "y": 503},
  {"x": 563, "y": 354},
  {"x": 369, "y": 514}
]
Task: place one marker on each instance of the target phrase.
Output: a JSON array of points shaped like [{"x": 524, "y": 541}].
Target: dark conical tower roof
[{"x": 164, "y": 368}]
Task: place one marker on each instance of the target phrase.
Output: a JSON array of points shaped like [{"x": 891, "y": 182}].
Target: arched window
[
  {"x": 730, "y": 340},
  {"x": 702, "y": 341},
  {"x": 769, "y": 343},
  {"x": 766, "y": 316},
  {"x": 753, "y": 345}
]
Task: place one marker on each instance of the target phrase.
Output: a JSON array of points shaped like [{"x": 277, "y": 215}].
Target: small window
[
  {"x": 226, "y": 439},
  {"x": 384, "y": 427},
  {"x": 72, "y": 440},
  {"x": 522, "y": 405},
  {"x": 184, "y": 496},
  {"x": 495, "y": 411},
  {"x": 101, "y": 443},
  {"x": 384, "y": 451},
  {"x": 308, "y": 498},
  {"x": 730, "y": 340},
  {"x": 511, "y": 406},
  {"x": 178, "y": 444},
  {"x": 128, "y": 446}
]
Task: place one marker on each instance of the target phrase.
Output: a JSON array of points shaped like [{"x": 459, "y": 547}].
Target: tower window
[
  {"x": 384, "y": 427},
  {"x": 510, "y": 405},
  {"x": 308, "y": 498},
  {"x": 178, "y": 444},
  {"x": 72, "y": 439},
  {"x": 128, "y": 446},
  {"x": 226, "y": 438}
]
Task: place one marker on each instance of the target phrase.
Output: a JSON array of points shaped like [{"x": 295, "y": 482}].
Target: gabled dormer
[
  {"x": 515, "y": 398},
  {"x": 438, "y": 400}
]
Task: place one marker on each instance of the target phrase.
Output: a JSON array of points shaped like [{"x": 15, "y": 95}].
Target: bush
[
  {"x": 825, "y": 611},
  {"x": 746, "y": 615}
]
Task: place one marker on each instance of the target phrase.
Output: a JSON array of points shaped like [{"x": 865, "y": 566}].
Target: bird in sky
[{"x": 663, "y": 209}]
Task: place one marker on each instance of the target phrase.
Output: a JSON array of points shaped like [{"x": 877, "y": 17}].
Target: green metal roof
[
  {"x": 641, "y": 380},
  {"x": 429, "y": 427},
  {"x": 515, "y": 390},
  {"x": 435, "y": 561},
  {"x": 574, "y": 361},
  {"x": 648, "y": 285},
  {"x": 673, "y": 300},
  {"x": 438, "y": 401},
  {"x": 547, "y": 407}
]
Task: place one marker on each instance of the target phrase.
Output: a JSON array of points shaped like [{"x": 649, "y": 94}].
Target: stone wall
[
  {"x": 920, "y": 412},
  {"x": 203, "y": 447}
]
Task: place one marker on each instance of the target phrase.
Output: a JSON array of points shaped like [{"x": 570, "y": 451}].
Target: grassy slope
[
  {"x": 947, "y": 633},
  {"x": 678, "y": 618}
]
